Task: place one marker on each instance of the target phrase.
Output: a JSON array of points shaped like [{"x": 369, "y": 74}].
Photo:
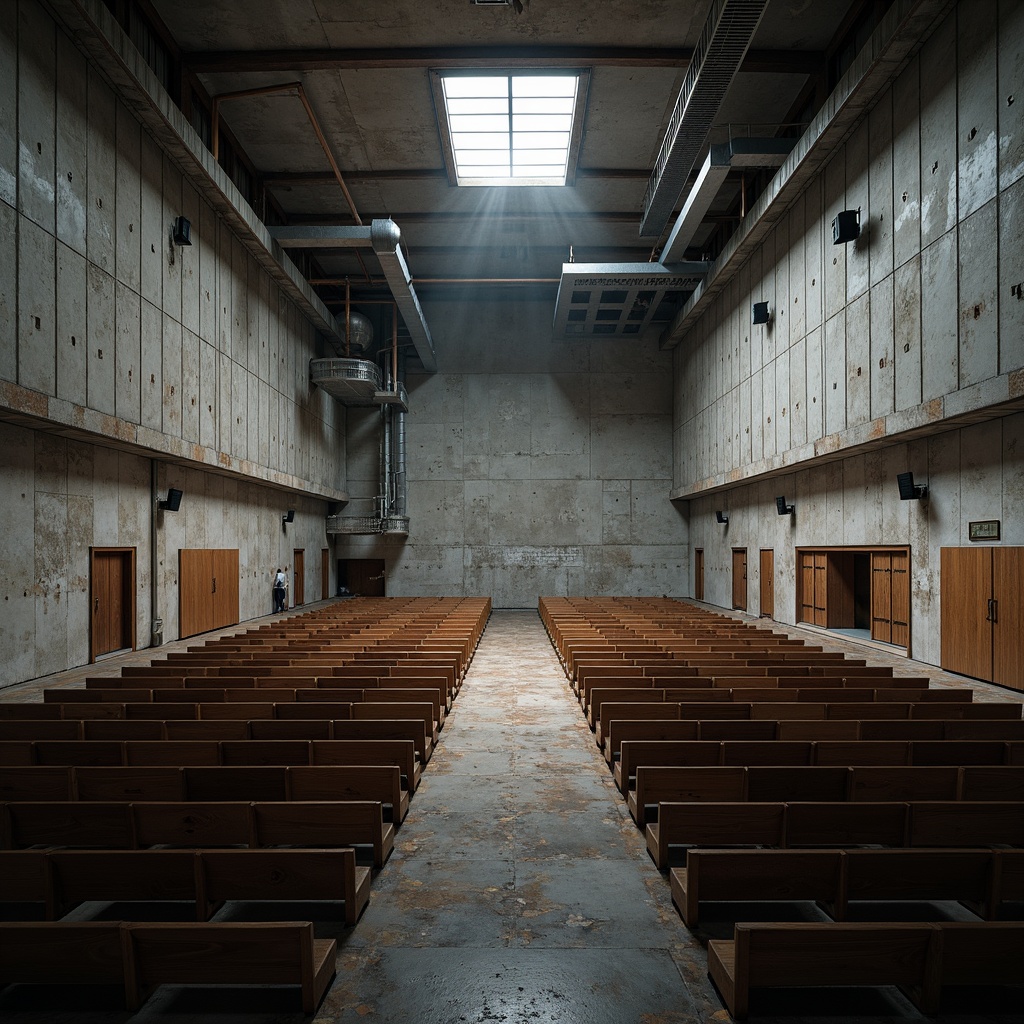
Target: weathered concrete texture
[
  {"x": 62, "y": 498},
  {"x": 920, "y": 318},
  {"x": 519, "y": 889},
  {"x": 535, "y": 465},
  {"x": 972, "y": 474}
]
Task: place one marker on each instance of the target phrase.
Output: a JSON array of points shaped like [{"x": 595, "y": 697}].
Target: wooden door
[
  {"x": 820, "y": 592},
  {"x": 325, "y": 573},
  {"x": 299, "y": 578},
  {"x": 207, "y": 589},
  {"x": 224, "y": 587},
  {"x": 698, "y": 574},
  {"x": 1007, "y": 616},
  {"x": 901, "y": 598},
  {"x": 806, "y": 581},
  {"x": 881, "y": 596},
  {"x": 739, "y": 578},
  {"x": 965, "y": 589},
  {"x": 195, "y": 591},
  {"x": 112, "y": 592},
  {"x": 767, "y": 583},
  {"x": 365, "y": 576}
]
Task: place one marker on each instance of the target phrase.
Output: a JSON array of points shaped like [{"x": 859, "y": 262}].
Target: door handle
[
  {"x": 993, "y": 610},
  {"x": 215, "y": 584}
]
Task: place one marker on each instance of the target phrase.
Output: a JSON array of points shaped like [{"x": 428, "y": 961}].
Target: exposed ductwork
[
  {"x": 720, "y": 160},
  {"x": 717, "y": 57},
  {"x": 382, "y": 236}
]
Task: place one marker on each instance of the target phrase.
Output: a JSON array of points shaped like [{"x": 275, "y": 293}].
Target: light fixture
[
  {"x": 289, "y": 516},
  {"x": 172, "y": 502},
  {"x": 761, "y": 313},
  {"x": 782, "y": 508},
  {"x": 908, "y": 490},
  {"x": 182, "y": 231},
  {"x": 721, "y": 517},
  {"x": 846, "y": 227}
]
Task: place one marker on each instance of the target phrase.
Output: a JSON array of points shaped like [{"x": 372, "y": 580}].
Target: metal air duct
[
  {"x": 382, "y": 236},
  {"x": 723, "y": 44}
]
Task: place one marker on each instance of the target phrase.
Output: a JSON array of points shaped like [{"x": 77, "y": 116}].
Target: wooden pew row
[
  {"x": 840, "y": 753},
  {"x": 936, "y": 823},
  {"x": 705, "y": 676},
  {"x": 837, "y": 692},
  {"x": 848, "y": 729},
  {"x": 620, "y": 730},
  {"x": 982, "y": 879},
  {"x": 382, "y": 783},
  {"x": 636, "y": 754},
  {"x": 356, "y": 750},
  {"x": 669, "y": 710},
  {"x": 142, "y": 956},
  {"x": 62, "y": 879},
  {"x": 366, "y": 721},
  {"x": 921, "y": 959},
  {"x": 135, "y": 825},
  {"x": 654, "y": 784}
]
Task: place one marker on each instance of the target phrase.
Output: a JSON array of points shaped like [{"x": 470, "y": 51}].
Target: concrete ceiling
[{"x": 364, "y": 68}]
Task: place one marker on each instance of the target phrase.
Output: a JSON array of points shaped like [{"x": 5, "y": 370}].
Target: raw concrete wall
[
  {"x": 109, "y": 328},
  {"x": 535, "y": 466},
  {"x": 973, "y": 473},
  {"x": 917, "y": 323},
  {"x": 133, "y": 349},
  {"x": 62, "y": 497}
]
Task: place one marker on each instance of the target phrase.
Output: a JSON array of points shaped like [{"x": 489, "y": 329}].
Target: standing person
[{"x": 280, "y": 590}]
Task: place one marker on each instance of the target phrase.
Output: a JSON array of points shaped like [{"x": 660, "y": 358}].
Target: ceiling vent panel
[
  {"x": 723, "y": 44},
  {"x": 600, "y": 300}
]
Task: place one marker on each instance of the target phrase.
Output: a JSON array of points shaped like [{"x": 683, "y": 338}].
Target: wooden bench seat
[
  {"x": 919, "y": 958},
  {"x": 142, "y": 956},
  {"x": 812, "y": 823},
  {"x": 835, "y": 878},
  {"x": 61, "y": 879},
  {"x": 130, "y": 825},
  {"x": 303, "y": 782}
]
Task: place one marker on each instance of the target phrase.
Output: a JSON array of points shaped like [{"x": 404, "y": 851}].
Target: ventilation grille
[
  {"x": 351, "y": 381},
  {"x": 621, "y": 299},
  {"x": 716, "y": 59}
]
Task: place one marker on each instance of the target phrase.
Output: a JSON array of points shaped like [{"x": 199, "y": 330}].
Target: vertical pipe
[
  {"x": 394, "y": 346},
  {"x": 348, "y": 318},
  {"x": 156, "y": 624},
  {"x": 398, "y": 458}
]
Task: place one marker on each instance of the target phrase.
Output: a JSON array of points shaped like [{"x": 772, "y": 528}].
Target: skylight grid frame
[{"x": 460, "y": 95}]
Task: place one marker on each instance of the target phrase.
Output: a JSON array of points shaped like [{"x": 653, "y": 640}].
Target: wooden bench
[
  {"x": 143, "y": 956},
  {"x": 919, "y": 958},
  {"x": 834, "y": 878},
  {"x": 64, "y": 878},
  {"x": 300, "y": 782},
  {"x": 812, "y": 823},
  {"x": 136, "y": 825}
]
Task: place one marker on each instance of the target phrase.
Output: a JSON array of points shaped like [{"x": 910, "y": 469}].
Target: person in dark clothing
[{"x": 280, "y": 590}]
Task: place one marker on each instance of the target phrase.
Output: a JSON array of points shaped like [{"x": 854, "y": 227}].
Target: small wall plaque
[{"x": 988, "y": 529}]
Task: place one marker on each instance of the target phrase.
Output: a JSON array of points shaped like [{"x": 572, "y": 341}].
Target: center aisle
[{"x": 519, "y": 889}]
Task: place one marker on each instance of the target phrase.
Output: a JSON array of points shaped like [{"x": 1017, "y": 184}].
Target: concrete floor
[{"x": 519, "y": 892}]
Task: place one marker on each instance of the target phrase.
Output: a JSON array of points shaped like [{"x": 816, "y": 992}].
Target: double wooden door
[
  {"x": 112, "y": 605},
  {"x": 982, "y": 594},
  {"x": 207, "y": 589}
]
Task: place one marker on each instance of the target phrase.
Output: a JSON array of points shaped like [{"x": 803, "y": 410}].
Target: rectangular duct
[{"x": 723, "y": 44}]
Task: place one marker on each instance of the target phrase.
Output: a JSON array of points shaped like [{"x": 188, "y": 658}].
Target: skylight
[{"x": 511, "y": 129}]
